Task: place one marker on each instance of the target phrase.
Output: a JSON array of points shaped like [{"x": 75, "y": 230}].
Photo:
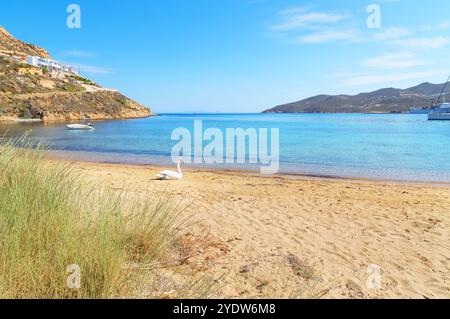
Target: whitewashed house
[{"x": 51, "y": 65}]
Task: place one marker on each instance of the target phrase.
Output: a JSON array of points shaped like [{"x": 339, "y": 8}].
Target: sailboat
[
  {"x": 440, "y": 113},
  {"x": 441, "y": 110}
]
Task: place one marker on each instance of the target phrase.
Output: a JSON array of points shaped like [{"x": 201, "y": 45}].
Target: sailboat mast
[{"x": 440, "y": 96}]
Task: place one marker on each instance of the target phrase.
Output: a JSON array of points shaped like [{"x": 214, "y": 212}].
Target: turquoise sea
[{"x": 395, "y": 147}]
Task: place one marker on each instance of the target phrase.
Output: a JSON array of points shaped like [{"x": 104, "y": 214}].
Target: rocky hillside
[
  {"x": 9, "y": 44},
  {"x": 388, "y": 100},
  {"x": 28, "y": 92}
]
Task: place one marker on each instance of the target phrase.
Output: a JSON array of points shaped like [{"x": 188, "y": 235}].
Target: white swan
[{"x": 166, "y": 175}]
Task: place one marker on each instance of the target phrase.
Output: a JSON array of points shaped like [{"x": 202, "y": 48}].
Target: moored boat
[
  {"x": 441, "y": 110},
  {"x": 80, "y": 127}
]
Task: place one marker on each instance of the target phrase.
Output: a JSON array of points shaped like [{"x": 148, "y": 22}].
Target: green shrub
[
  {"x": 71, "y": 88},
  {"x": 83, "y": 80}
]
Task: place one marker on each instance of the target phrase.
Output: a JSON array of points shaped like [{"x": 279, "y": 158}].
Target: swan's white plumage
[{"x": 167, "y": 175}]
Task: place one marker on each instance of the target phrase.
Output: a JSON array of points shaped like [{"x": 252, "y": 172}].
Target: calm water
[{"x": 399, "y": 147}]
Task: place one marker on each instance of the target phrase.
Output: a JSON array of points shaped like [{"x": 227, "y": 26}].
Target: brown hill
[{"x": 387, "y": 100}]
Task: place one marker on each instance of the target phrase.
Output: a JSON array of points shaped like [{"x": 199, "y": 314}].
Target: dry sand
[{"x": 286, "y": 237}]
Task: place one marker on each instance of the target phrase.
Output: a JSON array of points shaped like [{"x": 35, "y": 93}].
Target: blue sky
[{"x": 240, "y": 55}]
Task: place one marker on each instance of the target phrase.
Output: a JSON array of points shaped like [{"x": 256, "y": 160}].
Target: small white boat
[{"x": 81, "y": 127}]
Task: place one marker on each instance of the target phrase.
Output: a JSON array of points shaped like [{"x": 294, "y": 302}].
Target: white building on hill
[{"x": 51, "y": 65}]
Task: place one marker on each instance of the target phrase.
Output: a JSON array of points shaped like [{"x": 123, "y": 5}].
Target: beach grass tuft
[{"x": 61, "y": 239}]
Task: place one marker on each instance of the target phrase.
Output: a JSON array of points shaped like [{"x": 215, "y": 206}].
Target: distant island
[
  {"x": 389, "y": 100},
  {"x": 35, "y": 87}
]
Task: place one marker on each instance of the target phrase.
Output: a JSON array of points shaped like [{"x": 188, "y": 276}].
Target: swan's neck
[{"x": 179, "y": 168}]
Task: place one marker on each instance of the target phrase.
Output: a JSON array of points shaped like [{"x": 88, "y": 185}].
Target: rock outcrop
[
  {"x": 60, "y": 106},
  {"x": 10, "y": 44}
]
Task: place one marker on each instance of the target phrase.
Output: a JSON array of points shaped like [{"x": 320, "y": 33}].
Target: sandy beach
[{"x": 292, "y": 237}]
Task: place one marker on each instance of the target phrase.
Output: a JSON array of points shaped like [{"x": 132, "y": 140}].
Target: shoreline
[
  {"x": 248, "y": 172},
  {"x": 62, "y": 121}
]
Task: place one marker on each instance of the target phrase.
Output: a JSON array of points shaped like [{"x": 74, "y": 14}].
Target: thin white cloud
[
  {"x": 423, "y": 43},
  {"x": 389, "y": 78},
  {"x": 90, "y": 69},
  {"x": 443, "y": 26},
  {"x": 437, "y": 27},
  {"x": 331, "y": 36},
  {"x": 392, "y": 33},
  {"x": 306, "y": 26},
  {"x": 299, "y": 18},
  {"x": 399, "y": 60},
  {"x": 94, "y": 69},
  {"x": 80, "y": 54}
]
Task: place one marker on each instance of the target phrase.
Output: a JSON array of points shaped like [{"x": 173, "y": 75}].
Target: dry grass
[{"x": 49, "y": 221}]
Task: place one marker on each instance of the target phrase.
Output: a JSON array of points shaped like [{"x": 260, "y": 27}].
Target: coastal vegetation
[
  {"x": 69, "y": 87},
  {"x": 84, "y": 80},
  {"x": 52, "y": 224}
]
